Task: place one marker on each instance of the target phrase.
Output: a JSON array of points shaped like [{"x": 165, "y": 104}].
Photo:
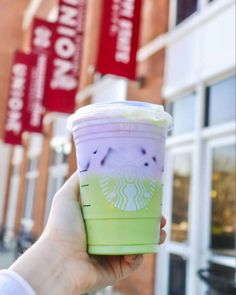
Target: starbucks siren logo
[{"x": 128, "y": 192}]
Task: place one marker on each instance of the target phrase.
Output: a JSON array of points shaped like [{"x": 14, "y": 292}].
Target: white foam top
[{"x": 132, "y": 110}]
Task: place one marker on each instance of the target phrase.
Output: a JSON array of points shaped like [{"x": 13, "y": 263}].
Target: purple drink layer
[{"x": 121, "y": 151}]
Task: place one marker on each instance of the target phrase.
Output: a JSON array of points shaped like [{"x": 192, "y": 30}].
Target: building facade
[
  {"x": 199, "y": 198},
  {"x": 186, "y": 61}
]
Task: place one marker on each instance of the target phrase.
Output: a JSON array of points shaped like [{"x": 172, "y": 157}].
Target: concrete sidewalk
[{"x": 7, "y": 256}]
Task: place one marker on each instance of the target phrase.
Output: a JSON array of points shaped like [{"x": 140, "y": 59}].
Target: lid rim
[{"x": 148, "y": 111}]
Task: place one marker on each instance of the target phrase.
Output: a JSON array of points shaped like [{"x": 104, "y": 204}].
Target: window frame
[
  {"x": 209, "y": 83},
  {"x": 183, "y": 20},
  {"x": 209, "y": 255},
  {"x": 184, "y": 249},
  {"x": 198, "y": 140},
  {"x": 193, "y": 92},
  {"x": 206, "y": 10},
  {"x": 173, "y": 14}
]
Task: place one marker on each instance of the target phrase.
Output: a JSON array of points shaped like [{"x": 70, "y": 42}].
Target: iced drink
[{"x": 120, "y": 155}]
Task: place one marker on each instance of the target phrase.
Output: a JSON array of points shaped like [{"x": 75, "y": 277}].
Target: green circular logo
[{"x": 129, "y": 191}]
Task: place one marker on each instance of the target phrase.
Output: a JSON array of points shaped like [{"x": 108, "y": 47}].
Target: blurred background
[{"x": 186, "y": 61}]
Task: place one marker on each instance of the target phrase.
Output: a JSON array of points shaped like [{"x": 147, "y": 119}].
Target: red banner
[
  {"x": 119, "y": 37},
  {"x": 66, "y": 56},
  {"x": 42, "y": 36},
  {"x": 41, "y": 44},
  {"x": 18, "y": 94}
]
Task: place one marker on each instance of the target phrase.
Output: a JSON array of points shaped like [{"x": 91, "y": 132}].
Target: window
[
  {"x": 223, "y": 213},
  {"x": 177, "y": 278},
  {"x": 220, "y": 102},
  {"x": 185, "y": 8},
  {"x": 200, "y": 187},
  {"x": 181, "y": 191},
  {"x": 183, "y": 112}
]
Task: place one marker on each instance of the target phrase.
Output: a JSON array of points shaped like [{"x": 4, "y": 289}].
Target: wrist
[{"x": 42, "y": 267}]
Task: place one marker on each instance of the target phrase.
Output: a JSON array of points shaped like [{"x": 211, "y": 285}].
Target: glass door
[
  {"x": 174, "y": 257},
  {"x": 219, "y": 240}
]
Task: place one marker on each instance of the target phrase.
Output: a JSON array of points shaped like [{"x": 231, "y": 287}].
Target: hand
[{"x": 58, "y": 262}]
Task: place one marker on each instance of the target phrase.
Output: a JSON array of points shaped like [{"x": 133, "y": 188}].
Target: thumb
[
  {"x": 70, "y": 187},
  {"x": 65, "y": 214}
]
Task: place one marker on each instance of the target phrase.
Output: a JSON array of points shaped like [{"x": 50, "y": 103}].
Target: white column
[
  {"x": 4, "y": 166},
  {"x": 13, "y": 191},
  {"x": 110, "y": 88}
]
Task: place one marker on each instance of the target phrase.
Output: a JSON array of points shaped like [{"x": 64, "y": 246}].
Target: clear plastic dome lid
[{"x": 130, "y": 110}]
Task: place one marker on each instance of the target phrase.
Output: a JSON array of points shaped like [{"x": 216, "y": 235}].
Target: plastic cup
[{"x": 120, "y": 156}]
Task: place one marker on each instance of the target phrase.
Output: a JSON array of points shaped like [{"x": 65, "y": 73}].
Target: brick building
[
  {"x": 34, "y": 172},
  {"x": 186, "y": 55}
]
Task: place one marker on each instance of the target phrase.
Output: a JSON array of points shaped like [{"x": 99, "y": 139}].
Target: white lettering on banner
[
  {"x": 68, "y": 16},
  {"x": 66, "y": 31},
  {"x": 71, "y": 2},
  {"x": 42, "y": 37},
  {"x": 15, "y": 102},
  {"x": 70, "y": 24},
  {"x": 36, "y": 92},
  {"x": 61, "y": 79},
  {"x": 41, "y": 73},
  {"x": 75, "y": 2},
  {"x": 115, "y": 16},
  {"x": 127, "y": 8},
  {"x": 19, "y": 70},
  {"x": 65, "y": 47},
  {"x": 123, "y": 45}
]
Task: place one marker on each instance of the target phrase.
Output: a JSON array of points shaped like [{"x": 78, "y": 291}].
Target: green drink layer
[
  {"x": 100, "y": 197},
  {"x": 119, "y": 211}
]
